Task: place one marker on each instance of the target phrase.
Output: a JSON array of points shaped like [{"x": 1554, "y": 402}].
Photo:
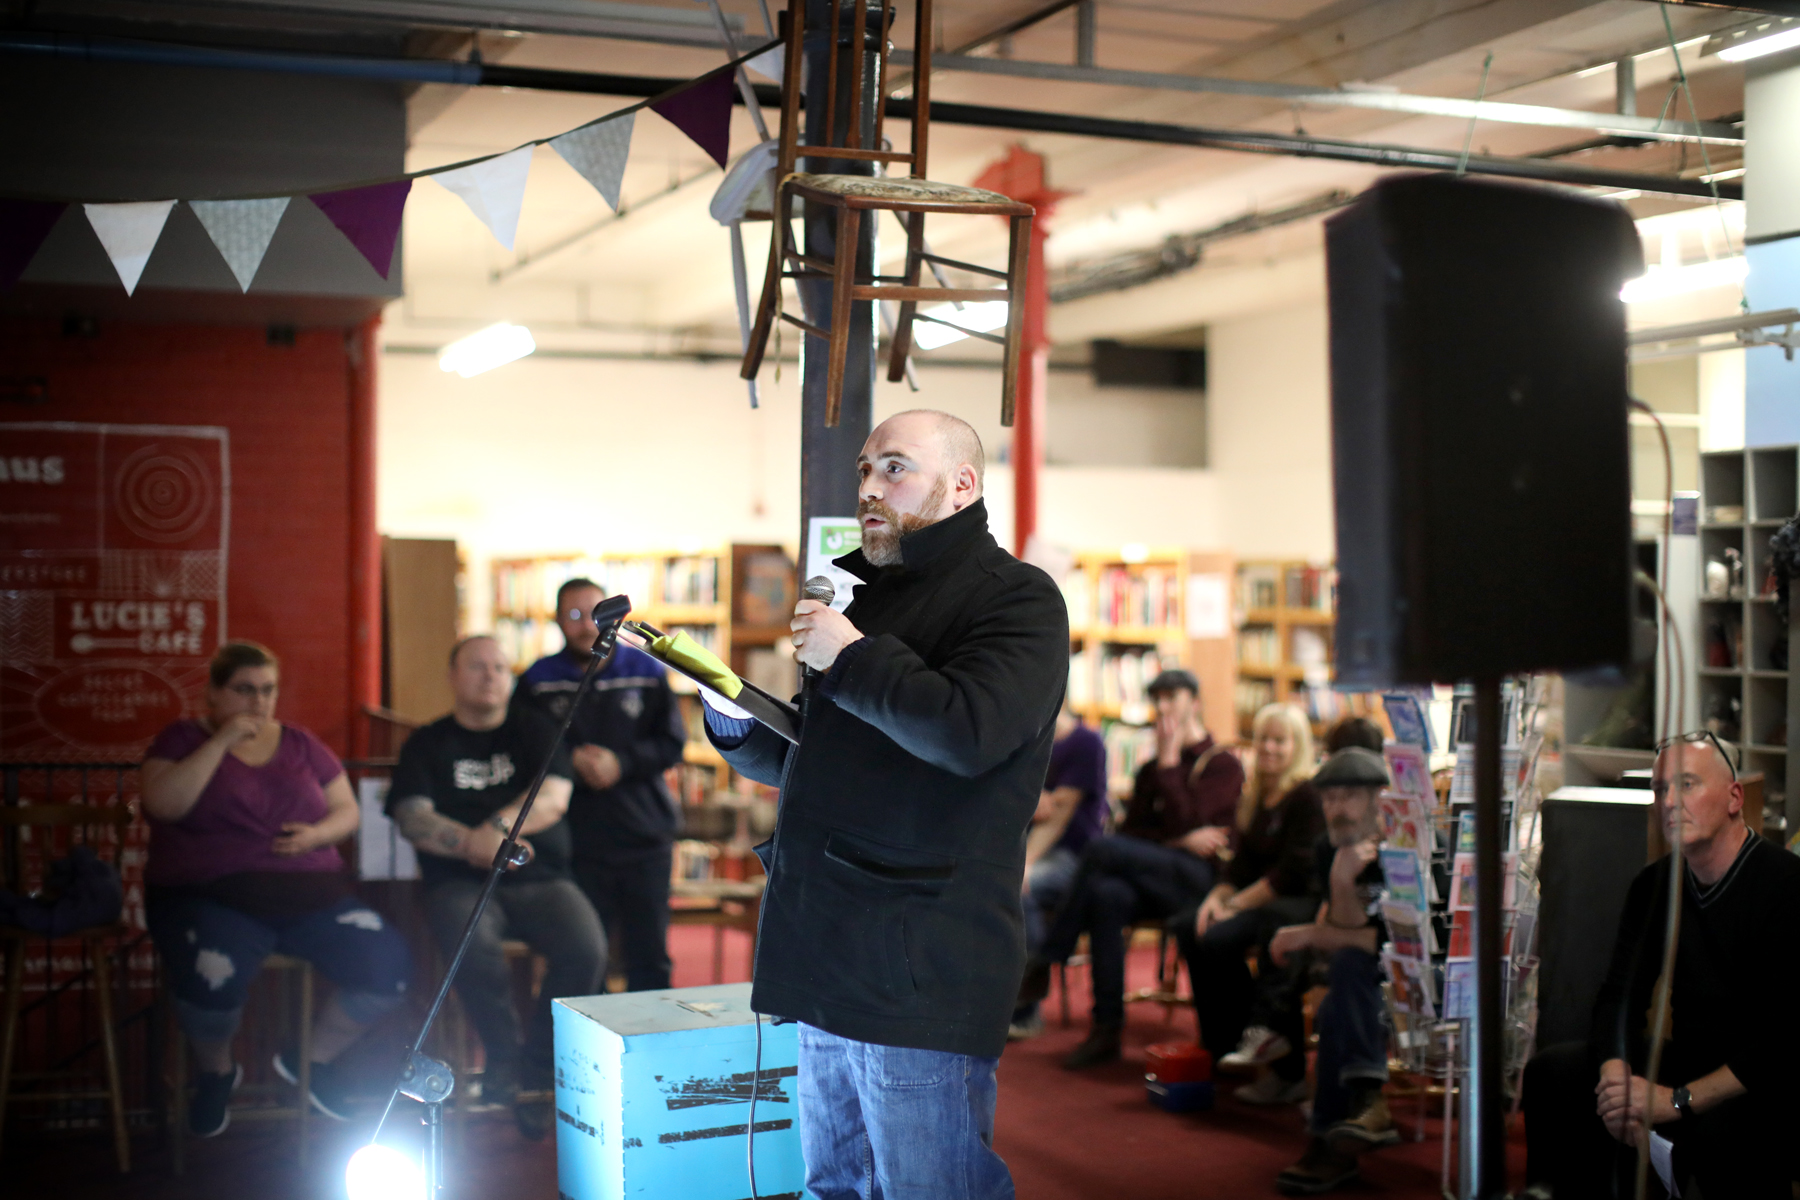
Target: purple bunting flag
[
  {"x": 703, "y": 112},
  {"x": 369, "y": 217},
  {"x": 24, "y": 224}
]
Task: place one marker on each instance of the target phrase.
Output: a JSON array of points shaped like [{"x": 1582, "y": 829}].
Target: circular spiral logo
[{"x": 164, "y": 494}]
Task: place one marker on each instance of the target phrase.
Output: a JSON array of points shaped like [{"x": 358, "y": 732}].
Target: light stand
[{"x": 429, "y": 1080}]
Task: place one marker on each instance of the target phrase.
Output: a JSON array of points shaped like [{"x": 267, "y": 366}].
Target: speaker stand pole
[{"x": 1485, "y": 1139}]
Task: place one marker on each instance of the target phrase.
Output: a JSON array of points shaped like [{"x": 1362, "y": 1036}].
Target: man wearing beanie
[{"x": 1349, "y": 1113}]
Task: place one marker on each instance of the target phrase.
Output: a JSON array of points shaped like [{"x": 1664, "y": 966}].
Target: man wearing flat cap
[
  {"x": 1349, "y": 1113},
  {"x": 1183, "y": 805}
]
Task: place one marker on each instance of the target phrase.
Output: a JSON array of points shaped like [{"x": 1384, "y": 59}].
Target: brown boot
[
  {"x": 1369, "y": 1125},
  {"x": 1101, "y": 1046},
  {"x": 1321, "y": 1169}
]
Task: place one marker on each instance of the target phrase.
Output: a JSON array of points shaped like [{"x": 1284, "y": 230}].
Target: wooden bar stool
[
  {"x": 909, "y": 197},
  {"x": 300, "y": 972},
  {"x": 95, "y": 944}
]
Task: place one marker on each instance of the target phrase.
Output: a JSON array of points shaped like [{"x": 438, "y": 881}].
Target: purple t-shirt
[
  {"x": 233, "y": 826},
  {"x": 1079, "y": 761}
]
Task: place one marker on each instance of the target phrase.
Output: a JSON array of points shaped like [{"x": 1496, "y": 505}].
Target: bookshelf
[
  {"x": 1746, "y": 496},
  {"x": 1135, "y": 611},
  {"x": 1286, "y": 632}
]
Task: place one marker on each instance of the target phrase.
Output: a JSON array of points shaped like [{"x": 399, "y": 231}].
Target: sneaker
[
  {"x": 1260, "y": 1046},
  {"x": 326, "y": 1089},
  {"x": 209, "y": 1112},
  {"x": 1025, "y": 1029},
  {"x": 1370, "y": 1125},
  {"x": 1321, "y": 1169},
  {"x": 1101, "y": 1046},
  {"x": 1272, "y": 1089}
]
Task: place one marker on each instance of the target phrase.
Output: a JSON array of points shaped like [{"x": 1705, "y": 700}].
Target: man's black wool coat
[{"x": 892, "y": 911}]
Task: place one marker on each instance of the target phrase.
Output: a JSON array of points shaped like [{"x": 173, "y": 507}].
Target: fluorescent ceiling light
[
  {"x": 1757, "y": 47},
  {"x": 1659, "y": 283},
  {"x": 486, "y": 349},
  {"x": 984, "y": 317}
]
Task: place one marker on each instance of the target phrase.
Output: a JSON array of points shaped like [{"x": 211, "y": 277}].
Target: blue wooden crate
[{"x": 653, "y": 1090}]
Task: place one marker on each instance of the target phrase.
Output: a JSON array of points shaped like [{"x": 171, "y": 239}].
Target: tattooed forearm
[{"x": 429, "y": 830}]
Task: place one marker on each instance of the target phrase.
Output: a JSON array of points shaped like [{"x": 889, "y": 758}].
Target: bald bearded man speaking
[{"x": 891, "y": 928}]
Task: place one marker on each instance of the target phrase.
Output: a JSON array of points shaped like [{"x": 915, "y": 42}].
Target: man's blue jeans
[
  {"x": 1352, "y": 1025},
  {"x": 890, "y": 1123}
]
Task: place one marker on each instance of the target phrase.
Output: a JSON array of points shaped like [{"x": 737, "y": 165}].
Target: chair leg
[
  {"x": 771, "y": 293},
  {"x": 1062, "y": 992},
  {"x": 305, "y": 1064},
  {"x": 903, "y": 320},
  {"x": 177, "y": 1095},
  {"x": 109, "y": 1047},
  {"x": 15, "y": 985},
  {"x": 1017, "y": 270},
  {"x": 843, "y": 279}
]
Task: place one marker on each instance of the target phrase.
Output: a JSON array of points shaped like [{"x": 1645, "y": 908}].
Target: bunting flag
[
  {"x": 598, "y": 153},
  {"x": 494, "y": 190},
  {"x": 24, "y": 224},
  {"x": 242, "y": 230},
  {"x": 771, "y": 63},
  {"x": 369, "y": 217},
  {"x": 703, "y": 112},
  {"x": 128, "y": 232}
]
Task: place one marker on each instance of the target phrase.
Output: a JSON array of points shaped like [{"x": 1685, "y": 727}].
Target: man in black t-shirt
[
  {"x": 455, "y": 793},
  {"x": 1349, "y": 1115}
]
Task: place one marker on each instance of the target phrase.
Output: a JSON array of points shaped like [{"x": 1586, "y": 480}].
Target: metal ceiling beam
[
  {"x": 900, "y": 108},
  {"x": 1398, "y": 102}
]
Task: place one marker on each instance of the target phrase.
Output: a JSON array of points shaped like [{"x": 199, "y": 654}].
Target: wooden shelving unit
[
  {"x": 1286, "y": 643},
  {"x": 1131, "y": 614},
  {"x": 1746, "y": 690}
]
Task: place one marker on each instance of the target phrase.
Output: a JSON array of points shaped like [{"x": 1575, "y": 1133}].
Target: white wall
[{"x": 1269, "y": 400}]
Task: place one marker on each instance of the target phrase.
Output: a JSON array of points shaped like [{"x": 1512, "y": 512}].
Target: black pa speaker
[{"x": 1478, "y": 420}]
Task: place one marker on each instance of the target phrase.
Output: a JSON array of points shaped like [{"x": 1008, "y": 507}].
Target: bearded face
[{"x": 881, "y": 545}]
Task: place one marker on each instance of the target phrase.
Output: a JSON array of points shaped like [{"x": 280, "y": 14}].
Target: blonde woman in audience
[{"x": 1267, "y": 884}]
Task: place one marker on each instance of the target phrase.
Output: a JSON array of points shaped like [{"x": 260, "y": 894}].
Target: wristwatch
[{"x": 1683, "y": 1102}]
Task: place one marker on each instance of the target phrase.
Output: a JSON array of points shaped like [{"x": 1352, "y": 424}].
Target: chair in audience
[
  {"x": 856, "y": 197},
  {"x": 52, "y": 824}
]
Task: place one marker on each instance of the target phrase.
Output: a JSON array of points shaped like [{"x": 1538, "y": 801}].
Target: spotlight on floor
[
  {"x": 378, "y": 1172},
  {"x": 486, "y": 349}
]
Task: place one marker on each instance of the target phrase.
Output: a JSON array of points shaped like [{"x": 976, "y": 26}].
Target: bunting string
[{"x": 368, "y": 212}]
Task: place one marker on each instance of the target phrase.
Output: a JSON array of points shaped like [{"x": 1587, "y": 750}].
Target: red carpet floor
[{"x": 1088, "y": 1136}]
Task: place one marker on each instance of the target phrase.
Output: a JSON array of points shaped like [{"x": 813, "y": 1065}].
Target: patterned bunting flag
[
  {"x": 599, "y": 152},
  {"x": 369, "y": 217},
  {"x": 129, "y": 232},
  {"x": 242, "y": 230},
  {"x": 24, "y": 224},
  {"x": 703, "y": 112},
  {"x": 494, "y": 190}
]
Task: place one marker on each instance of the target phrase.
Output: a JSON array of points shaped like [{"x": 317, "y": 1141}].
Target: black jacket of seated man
[
  {"x": 1737, "y": 973},
  {"x": 892, "y": 913}
]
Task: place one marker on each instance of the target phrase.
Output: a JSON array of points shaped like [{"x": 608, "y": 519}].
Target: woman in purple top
[{"x": 245, "y": 816}]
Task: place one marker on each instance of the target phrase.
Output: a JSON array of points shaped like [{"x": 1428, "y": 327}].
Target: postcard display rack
[{"x": 1428, "y": 860}]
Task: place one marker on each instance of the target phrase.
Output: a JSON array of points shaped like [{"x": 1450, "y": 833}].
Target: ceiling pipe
[{"x": 474, "y": 74}]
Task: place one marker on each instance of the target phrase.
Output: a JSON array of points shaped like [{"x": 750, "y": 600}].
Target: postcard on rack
[
  {"x": 1407, "y": 716},
  {"x": 1462, "y": 880},
  {"x": 1408, "y": 977},
  {"x": 1400, "y": 870},
  {"x": 1462, "y": 933},
  {"x": 1459, "y": 988},
  {"x": 1409, "y": 929},
  {"x": 1409, "y": 771},
  {"x": 1405, "y": 823}
]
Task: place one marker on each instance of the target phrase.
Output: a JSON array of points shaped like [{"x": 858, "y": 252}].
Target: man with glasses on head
[
  {"x": 622, "y": 819},
  {"x": 1725, "y": 1096}
]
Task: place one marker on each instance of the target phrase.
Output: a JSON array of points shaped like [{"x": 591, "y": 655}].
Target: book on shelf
[
  {"x": 1147, "y": 597},
  {"x": 1258, "y": 586},
  {"x": 1259, "y": 646},
  {"x": 691, "y": 580},
  {"x": 1311, "y": 587},
  {"x": 1079, "y": 599},
  {"x": 1253, "y": 694},
  {"x": 1128, "y": 747},
  {"x": 1127, "y": 672}
]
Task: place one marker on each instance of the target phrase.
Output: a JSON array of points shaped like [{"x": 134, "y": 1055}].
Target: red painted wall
[{"x": 301, "y": 420}]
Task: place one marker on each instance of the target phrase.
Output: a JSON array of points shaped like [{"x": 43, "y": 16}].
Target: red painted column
[
  {"x": 364, "y": 544},
  {"x": 1021, "y": 176}
]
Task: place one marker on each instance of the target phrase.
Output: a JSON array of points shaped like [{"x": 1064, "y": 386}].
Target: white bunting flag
[
  {"x": 599, "y": 153},
  {"x": 771, "y": 63},
  {"x": 494, "y": 190},
  {"x": 129, "y": 232},
  {"x": 242, "y": 230}
]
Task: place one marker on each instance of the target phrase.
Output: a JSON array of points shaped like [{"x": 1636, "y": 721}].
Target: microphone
[
  {"x": 824, "y": 591},
  {"x": 612, "y": 610}
]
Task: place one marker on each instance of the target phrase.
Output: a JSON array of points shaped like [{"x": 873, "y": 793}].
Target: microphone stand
[{"x": 429, "y": 1080}]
